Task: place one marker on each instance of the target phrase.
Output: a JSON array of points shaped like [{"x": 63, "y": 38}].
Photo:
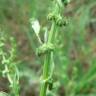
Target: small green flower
[
  {"x": 51, "y": 16},
  {"x": 50, "y": 84}
]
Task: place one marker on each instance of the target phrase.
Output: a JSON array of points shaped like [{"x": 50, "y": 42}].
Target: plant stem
[
  {"x": 45, "y": 74},
  {"x": 47, "y": 62},
  {"x": 48, "y": 59},
  {"x": 51, "y": 33}
]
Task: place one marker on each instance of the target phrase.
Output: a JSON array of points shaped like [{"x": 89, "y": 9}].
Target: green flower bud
[
  {"x": 50, "y": 82},
  {"x": 65, "y": 22},
  {"x": 45, "y": 48},
  {"x": 65, "y": 2},
  {"x": 61, "y": 22},
  {"x": 51, "y": 16}
]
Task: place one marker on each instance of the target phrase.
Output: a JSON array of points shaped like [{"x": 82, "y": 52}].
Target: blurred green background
[{"x": 75, "y": 56}]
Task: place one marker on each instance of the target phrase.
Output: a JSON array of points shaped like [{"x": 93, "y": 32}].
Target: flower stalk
[{"x": 48, "y": 47}]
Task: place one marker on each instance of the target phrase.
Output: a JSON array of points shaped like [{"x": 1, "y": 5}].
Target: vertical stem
[
  {"x": 56, "y": 20},
  {"x": 51, "y": 32},
  {"x": 46, "y": 67},
  {"x": 45, "y": 75}
]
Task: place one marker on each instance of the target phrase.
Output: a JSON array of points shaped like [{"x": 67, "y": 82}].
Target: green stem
[
  {"x": 48, "y": 59},
  {"x": 48, "y": 56},
  {"x": 46, "y": 67},
  {"x": 51, "y": 32},
  {"x": 45, "y": 75}
]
